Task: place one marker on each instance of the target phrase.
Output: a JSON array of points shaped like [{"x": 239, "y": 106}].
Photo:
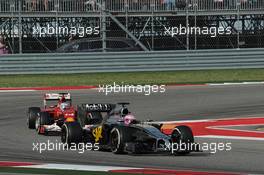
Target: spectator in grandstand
[
  {"x": 170, "y": 4},
  {"x": 180, "y": 4},
  {"x": 30, "y": 5},
  {"x": 46, "y": 5},
  {"x": 135, "y": 4},
  {"x": 3, "y": 49},
  {"x": 34, "y": 4},
  {"x": 27, "y": 5},
  {"x": 91, "y": 5}
]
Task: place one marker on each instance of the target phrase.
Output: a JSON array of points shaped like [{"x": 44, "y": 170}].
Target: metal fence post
[
  {"x": 20, "y": 33},
  {"x": 152, "y": 26},
  {"x": 187, "y": 25},
  {"x": 13, "y": 27},
  {"x": 103, "y": 16},
  {"x": 238, "y": 20},
  {"x": 195, "y": 23}
]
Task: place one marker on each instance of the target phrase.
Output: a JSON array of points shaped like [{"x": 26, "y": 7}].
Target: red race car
[{"x": 52, "y": 117}]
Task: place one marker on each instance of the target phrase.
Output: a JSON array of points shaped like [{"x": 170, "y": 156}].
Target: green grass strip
[{"x": 175, "y": 77}]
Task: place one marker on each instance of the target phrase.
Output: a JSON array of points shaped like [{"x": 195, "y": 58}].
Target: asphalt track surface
[{"x": 177, "y": 103}]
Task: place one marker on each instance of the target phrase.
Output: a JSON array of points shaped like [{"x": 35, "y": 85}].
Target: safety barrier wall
[{"x": 131, "y": 61}]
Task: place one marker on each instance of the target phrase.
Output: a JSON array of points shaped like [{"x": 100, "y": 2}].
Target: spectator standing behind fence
[
  {"x": 37, "y": 5},
  {"x": 92, "y": 4},
  {"x": 30, "y": 5},
  {"x": 46, "y": 5},
  {"x": 3, "y": 49},
  {"x": 170, "y": 4},
  {"x": 135, "y": 5},
  {"x": 181, "y": 4}
]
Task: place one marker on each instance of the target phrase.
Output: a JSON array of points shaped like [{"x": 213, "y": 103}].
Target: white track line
[
  {"x": 204, "y": 120},
  {"x": 234, "y": 83},
  {"x": 181, "y": 121},
  {"x": 6, "y": 91},
  {"x": 230, "y": 137},
  {"x": 77, "y": 167}
]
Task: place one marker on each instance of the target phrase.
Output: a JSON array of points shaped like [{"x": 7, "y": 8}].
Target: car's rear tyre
[
  {"x": 44, "y": 118},
  {"x": 118, "y": 138},
  {"x": 33, "y": 113},
  {"x": 71, "y": 133},
  {"x": 182, "y": 135}
]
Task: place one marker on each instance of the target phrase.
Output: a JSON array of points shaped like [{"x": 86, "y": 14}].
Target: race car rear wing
[
  {"x": 99, "y": 107},
  {"x": 57, "y": 96}
]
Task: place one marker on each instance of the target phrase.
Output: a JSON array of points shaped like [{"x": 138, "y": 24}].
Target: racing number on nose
[{"x": 97, "y": 133}]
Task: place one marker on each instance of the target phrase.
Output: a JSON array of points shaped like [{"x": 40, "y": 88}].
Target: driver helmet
[
  {"x": 64, "y": 106},
  {"x": 62, "y": 99},
  {"x": 128, "y": 119}
]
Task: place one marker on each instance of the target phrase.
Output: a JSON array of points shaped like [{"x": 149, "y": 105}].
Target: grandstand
[{"x": 145, "y": 21}]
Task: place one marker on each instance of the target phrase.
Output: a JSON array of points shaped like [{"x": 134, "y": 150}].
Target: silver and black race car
[{"x": 114, "y": 128}]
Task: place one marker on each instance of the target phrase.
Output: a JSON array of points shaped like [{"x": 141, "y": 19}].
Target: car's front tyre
[
  {"x": 183, "y": 137},
  {"x": 42, "y": 119},
  {"x": 71, "y": 132},
  {"x": 33, "y": 113}
]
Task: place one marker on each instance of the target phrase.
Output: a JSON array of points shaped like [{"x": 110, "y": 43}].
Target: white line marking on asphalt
[
  {"x": 231, "y": 137},
  {"x": 77, "y": 167},
  {"x": 5, "y": 91},
  {"x": 234, "y": 83},
  {"x": 181, "y": 121},
  {"x": 204, "y": 120}
]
